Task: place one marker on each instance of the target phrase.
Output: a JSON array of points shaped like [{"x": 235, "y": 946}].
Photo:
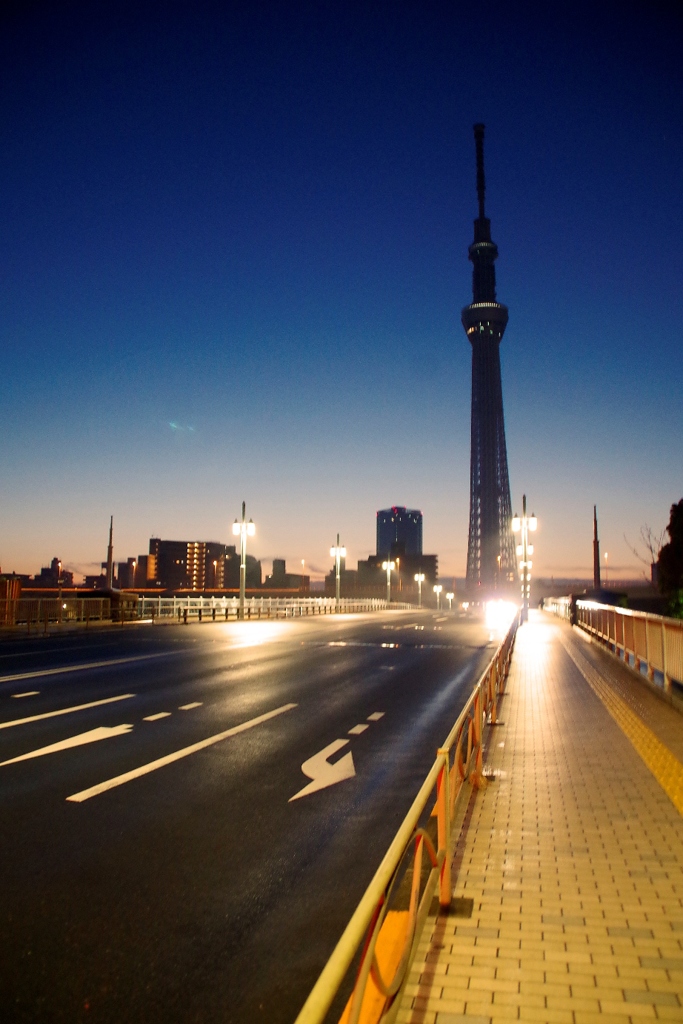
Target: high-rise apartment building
[{"x": 196, "y": 565}]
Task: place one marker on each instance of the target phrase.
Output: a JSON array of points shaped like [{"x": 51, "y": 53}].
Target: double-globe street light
[
  {"x": 524, "y": 525},
  {"x": 437, "y": 590},
  {"x": 337, "y": 553},
  {"x": 419, "y": 579},
  {"x": 388, "y": 566},
  {"x": 243, "y": 530},
  {"x": 449, "y": 598}
]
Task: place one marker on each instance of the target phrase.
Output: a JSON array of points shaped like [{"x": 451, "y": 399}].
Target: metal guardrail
[
  {"x": 41, "y": 611},
  {"x": 383, "y": 972},
  {"x": 560, "y": 606},
  {"x": 649, "y": 643},
  {"x": 646, "y": 642},
  {"x": 214, "y": 608}
]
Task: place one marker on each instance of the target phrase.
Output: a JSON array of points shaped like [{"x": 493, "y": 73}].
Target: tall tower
[{"x": 490, "y": 550}]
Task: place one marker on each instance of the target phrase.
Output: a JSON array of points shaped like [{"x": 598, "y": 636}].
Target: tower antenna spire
[{"x": 481, "y": 179}]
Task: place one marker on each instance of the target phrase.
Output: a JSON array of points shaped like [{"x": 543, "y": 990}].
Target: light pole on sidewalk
[
  {"x": 525, "y": 525},
  {"x": 419, "y": 579},
  {"x": 437, "y": 590},
  {"x": 337, "y": 553},
  {"x": 388, "y": 566},
  {"x": 243, "y": 530}
]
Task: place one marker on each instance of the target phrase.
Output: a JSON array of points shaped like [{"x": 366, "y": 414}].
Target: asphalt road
[{"x": 153, "y": 864}]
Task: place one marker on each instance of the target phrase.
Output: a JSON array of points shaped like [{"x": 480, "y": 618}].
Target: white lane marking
[
  {"x": 29, "y": 693},
  {"x": 83, "y": 667},
  {"x": 442, "y": 619},
  {"x": 155, "y": 718},
  {"x": 92, "y": 736},
  {"x": 324, "y": 774},
  {"x": 375, "y": 716},
  {"x": 161, "y": 762},
  {"x": 188, "y": 707},
  {"x": 358, "y": 729},
  {"x": 66, "y": 711}
]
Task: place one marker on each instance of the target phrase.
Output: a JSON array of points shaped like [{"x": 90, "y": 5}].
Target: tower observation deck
[{"x": 490, "y": 550}]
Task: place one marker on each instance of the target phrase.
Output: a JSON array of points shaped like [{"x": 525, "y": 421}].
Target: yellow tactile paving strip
[
  {"x": 574, "y": 861},
  {"x": 666, "y": 768}
]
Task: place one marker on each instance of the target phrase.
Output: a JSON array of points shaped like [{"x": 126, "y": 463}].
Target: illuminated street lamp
[
  {"x": 437, "y": 590},
  {"x": 419, "y": 579},
  {"x": 449, "y": 598},
  {"x": 388, "y": 566},
  {"x": 243, "y": 530},
  {"x": 525, "y": 526},
  {"x": 337, "y": 553}
]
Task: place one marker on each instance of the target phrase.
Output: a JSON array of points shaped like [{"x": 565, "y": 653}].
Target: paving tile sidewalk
[{"x": 573, "y": 858}]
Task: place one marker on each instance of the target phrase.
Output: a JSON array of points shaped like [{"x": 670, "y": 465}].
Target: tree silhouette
[{"x": 670, "y": 564}]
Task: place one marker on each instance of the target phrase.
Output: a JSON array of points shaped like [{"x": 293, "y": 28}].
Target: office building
[{"x": 399, "y": 528}]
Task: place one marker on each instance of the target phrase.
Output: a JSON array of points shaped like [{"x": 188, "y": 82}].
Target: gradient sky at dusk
[{"x": 233, "y": 254}]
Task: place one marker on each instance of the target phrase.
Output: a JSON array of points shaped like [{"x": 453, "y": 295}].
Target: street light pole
[
  {"x": 243, "y": 530},
  {"x": 419, "y": 579},
  {"x": 525, "y": 526},
  {"x": 388, "y": 566},
  {"x": 437, "y": 590},
  {"x": 337, "y": 553},
  {"x": 449, "y": 598}
]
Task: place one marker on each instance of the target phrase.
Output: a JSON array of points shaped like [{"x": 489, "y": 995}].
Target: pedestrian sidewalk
[{"x": 572, "y": 855}]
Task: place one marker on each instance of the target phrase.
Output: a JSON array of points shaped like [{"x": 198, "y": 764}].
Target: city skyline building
[
  {"x": 490, "y": 548},
  {"x": 399, "y": 527}
]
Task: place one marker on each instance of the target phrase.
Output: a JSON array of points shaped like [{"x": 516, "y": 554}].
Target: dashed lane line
[
  {"x": 155, "y": 718},
  {"x": 66, "y": 711},
  {"x": 27, "y": 693},
  {"x": 189, "y": 707},
  {"x": 375, "y": 716},
  {"x": 161, "y": 762},
  {"x": 83, "y": 667},
  {"x": 358, "y": 729}
]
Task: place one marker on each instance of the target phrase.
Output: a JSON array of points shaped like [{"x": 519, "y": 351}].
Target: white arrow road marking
[
  {"x": 65, "y": 711},
  {"x": 103, "y": 733},
  {"x": 322, "y": 772},
  {"x": 144, "y": 769}
]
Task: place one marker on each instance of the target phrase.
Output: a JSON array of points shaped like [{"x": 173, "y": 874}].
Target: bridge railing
[
  {"x": 41, "y": 611},
  {"x": 224, "y": 608},
  {"x": 651, "y": 644},
  {"x": 383, "y": 940}
]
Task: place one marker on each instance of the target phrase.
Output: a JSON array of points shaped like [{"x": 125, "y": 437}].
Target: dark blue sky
[{"x": 233, "y": 254}]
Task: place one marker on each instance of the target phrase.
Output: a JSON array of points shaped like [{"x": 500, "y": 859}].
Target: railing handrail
[
  {"x": 645, "y": 641},
  {"x": 632, "y": 612}
]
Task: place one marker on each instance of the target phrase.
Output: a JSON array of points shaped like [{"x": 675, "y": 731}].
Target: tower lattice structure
[{"x": 490, "y": 550}]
